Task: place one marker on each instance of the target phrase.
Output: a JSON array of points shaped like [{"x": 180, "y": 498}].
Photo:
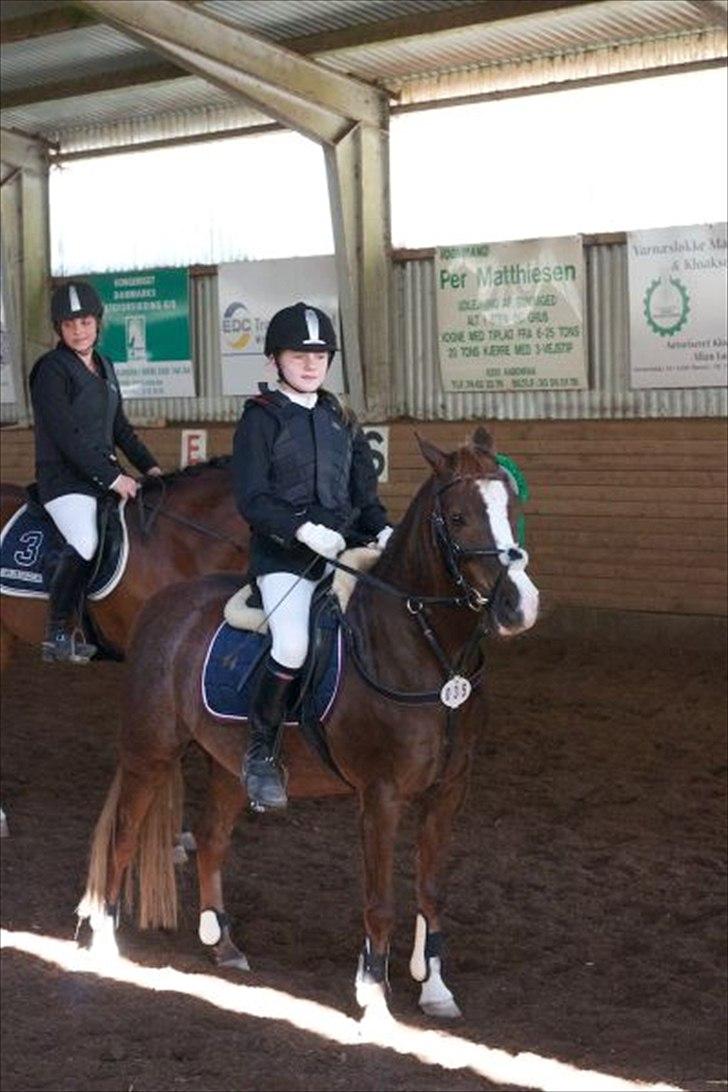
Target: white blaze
[{"x": 495, "y": 496}]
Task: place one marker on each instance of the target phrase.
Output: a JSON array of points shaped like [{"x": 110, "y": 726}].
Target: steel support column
[{"x": 349, "y": 118}]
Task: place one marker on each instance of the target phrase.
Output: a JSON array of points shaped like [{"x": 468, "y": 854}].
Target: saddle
[
  {"x": 241, "y": 643},
  {"x": 31, "y": 543}
]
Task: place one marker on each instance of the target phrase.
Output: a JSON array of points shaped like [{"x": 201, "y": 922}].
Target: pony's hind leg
[
  {"x": 381, "y": 810},
  {"x": 137, "y": 825},
  {"x": 225, "y": 801},
  {"x": 438, "y": 812}
]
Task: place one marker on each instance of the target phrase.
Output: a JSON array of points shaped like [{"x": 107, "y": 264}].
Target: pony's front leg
[
  {"x": 381, "y": 809},
  {"x": 439, "y": 810},
  {"x": 224, "y": 803}
]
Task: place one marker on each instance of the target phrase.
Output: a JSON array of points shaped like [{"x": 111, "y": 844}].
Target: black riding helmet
[
  {"x": 303, "y": 328},
  {"x": 74, "y": 300}
]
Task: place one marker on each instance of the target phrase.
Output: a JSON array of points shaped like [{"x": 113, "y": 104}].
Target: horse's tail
[
  {"x": 151, "y": 863},
  {"x": 157, "y": 883}
]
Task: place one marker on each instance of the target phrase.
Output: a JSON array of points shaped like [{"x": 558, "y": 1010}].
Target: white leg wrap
[{"x": 209, "y": 930}]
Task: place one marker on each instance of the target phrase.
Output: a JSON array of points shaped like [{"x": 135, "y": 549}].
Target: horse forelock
[{"x": 471, "y": 462}]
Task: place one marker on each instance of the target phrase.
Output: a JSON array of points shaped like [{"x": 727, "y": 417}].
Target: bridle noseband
[{"x": 510, "y": 557}]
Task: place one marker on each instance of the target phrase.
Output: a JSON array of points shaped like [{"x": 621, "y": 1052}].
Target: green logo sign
[
  {"x": 667, "y": 305},
  {"x": 146, "y": 331}
]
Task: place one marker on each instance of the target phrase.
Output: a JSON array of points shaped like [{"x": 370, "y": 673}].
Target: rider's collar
[{"x": 307, "y": 399}]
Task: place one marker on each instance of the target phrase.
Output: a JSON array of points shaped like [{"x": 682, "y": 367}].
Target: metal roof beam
[
  {"x": 136, "y": 76},
  {"x": 713, "y": 12},
  {"x": 184, "y": 33},
  {"x": 56, "y": 21},
  {"x": 422, "y": 24}
]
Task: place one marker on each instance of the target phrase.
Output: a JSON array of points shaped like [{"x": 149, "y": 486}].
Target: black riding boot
[
  {"x": 261, "y": 771},
  {"x": 67, "y": 583}
]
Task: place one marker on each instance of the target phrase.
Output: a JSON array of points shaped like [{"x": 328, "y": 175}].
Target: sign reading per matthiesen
[
  {"x": 678, "y": 306},
  {"x": 146, "y": 331},
  {"x": 510, "y": 315}
]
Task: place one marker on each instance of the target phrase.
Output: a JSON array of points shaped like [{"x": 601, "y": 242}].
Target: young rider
[
  {"x": 304, "y": 479},
  {"x": 78, "y": 421}
]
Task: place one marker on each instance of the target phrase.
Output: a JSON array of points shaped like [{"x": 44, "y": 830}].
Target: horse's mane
[{"x": 219, "y": 462}]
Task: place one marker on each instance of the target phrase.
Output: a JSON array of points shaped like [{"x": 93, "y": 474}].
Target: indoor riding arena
[{"x": 584, "y": 922}]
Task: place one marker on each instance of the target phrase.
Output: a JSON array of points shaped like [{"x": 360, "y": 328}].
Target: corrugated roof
[{"x": 391, "y": 50}]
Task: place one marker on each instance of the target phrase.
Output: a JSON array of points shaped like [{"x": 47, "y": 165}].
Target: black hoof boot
[{"x": 264, "y": 785}]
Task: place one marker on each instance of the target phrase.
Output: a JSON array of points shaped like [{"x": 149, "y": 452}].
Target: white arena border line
[{"x": 440, "y": 1048}]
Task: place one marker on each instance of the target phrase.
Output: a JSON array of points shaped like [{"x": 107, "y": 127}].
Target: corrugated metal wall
[{"x": 418, "y": 392}]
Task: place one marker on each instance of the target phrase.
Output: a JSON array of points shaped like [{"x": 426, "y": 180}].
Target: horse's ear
[
  {"x": 436, "y": 458},
  {"x": 483, "y": 441}
]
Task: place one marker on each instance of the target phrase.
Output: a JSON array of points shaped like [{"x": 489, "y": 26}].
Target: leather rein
[
  {"x": 453, "y": 554},
  {"x": 146, "y": 522}
]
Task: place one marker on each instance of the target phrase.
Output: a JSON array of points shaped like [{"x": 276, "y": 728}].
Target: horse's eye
[{"x": 457, "y": 519}]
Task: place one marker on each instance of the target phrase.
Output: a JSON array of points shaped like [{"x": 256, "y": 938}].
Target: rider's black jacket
[
  {"x": 79, "y": 419},
  {"x": 292, "y": 465}
]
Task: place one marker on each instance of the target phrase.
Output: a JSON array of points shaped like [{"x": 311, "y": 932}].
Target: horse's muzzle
[{"x": 515, "y": 604}]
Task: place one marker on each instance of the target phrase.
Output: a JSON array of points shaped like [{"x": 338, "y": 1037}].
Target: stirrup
[
  {"x": 265, "y": 785},
  {"x": 65, "y": 648}
]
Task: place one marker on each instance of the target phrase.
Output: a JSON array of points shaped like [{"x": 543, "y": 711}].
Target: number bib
[{"x": 455, "y": 691}]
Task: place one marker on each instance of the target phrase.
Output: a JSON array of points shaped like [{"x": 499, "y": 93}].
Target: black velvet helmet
[
  {"x": 303, "y": 328},
  {"x": 73, "y": 300}
]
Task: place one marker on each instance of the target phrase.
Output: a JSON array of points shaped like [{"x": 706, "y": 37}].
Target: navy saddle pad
[
  {"x": 30, "y": 544},
  {"x": 229, "y": 673}
]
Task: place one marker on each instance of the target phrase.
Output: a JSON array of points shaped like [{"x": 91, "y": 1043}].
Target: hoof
[
  {"x": 376, "y": 1017},
  {"x": 225, "y": 954},
  {"x": 238, "y": 964},
  {"x": 441, "y": 1010}
]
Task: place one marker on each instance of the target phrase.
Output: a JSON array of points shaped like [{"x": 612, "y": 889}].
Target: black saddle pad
[{"x": 230, "y": 670}]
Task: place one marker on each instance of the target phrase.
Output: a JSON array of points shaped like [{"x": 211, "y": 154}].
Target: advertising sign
[
  {"x": 146, "y": 331},
  {"x": 677, "y": 306},
  {"x": 510, "y": 316},
  {"x": 250, "y": 293}
]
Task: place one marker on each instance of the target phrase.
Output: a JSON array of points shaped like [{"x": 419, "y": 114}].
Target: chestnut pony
[
  {"x": 402, "y": 729},
  {"x": 184, "y": 524}
]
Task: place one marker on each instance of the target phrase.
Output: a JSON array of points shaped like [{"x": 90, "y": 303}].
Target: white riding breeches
[
  {"x": 74, "y": 514},
  {"x": 287, "y": 603}
]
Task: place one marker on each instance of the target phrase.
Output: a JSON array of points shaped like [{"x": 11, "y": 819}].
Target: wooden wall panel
[{"x": 624, "y": 515}]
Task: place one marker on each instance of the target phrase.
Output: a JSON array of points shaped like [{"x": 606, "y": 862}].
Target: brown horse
[
  {"x": 195, "y": 529},
  {"x": 396, "y": 733}
]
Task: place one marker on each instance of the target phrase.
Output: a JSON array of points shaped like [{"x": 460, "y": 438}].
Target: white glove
[
  {"x": 322, "y": 540},
  {"x": 383, "y": 537}
]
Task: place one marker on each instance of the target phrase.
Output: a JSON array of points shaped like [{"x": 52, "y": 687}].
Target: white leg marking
[
  {"x": 435, "y": 998},
  {"x": 103, "y": 937}
]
